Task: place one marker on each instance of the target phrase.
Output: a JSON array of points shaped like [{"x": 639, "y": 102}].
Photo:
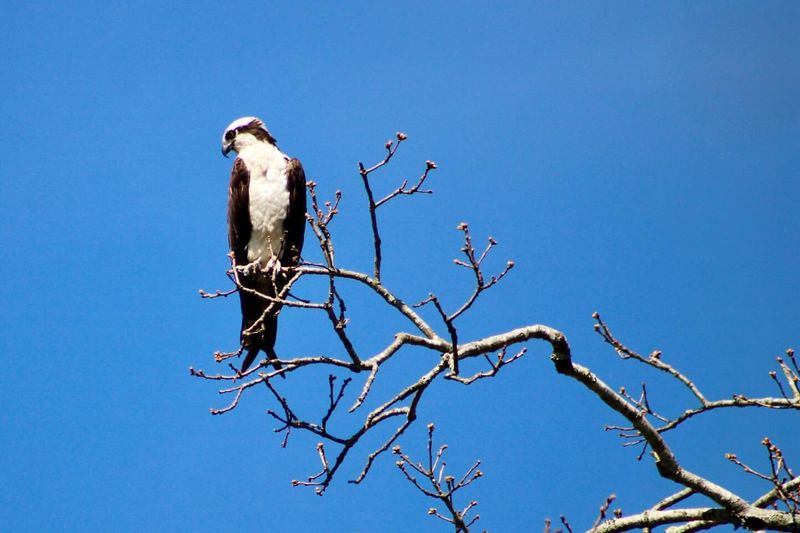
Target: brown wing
[
  {"x": 253, "y": 306},
  {"x": 239, "y": 226},
  {"x": 294, "y": 226},
  {"x": 239, "y": 230}
]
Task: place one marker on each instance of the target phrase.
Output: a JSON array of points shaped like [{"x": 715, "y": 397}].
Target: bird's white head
[{"x": 243, "y": 132}]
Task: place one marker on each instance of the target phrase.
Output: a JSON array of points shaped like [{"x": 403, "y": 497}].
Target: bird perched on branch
[{"x": 266, "y": 224}]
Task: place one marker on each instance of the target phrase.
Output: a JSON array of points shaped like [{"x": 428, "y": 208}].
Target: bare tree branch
[
  {"x": 442, "y": 487},
  {"x": 396, "y": 411}
]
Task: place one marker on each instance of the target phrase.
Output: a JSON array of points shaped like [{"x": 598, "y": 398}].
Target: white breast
[{"x": 269, "y": 200}]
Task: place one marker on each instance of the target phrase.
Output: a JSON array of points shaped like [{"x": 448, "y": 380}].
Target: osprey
[{"x": 266, "y": 223}]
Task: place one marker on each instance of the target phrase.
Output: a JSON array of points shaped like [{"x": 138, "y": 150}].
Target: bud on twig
[
  {"x": 401, "y": 136},
  {"x": 430, "y": 164}
]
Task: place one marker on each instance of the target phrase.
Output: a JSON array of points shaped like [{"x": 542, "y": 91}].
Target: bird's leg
[
  {"x": 274, "y": 268},
  {"x": 250, "y": 268}
]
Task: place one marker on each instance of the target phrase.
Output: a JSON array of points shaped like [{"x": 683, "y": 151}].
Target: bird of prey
[{"x": 266, "y": 223}]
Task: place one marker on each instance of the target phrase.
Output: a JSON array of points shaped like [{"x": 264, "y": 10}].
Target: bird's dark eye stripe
[{"x": 230, "y": 135}]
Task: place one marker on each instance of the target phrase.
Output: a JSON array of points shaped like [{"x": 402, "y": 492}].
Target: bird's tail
[
  {"x": 262, "y": 341},
  {"x": 253, "y": 308}
]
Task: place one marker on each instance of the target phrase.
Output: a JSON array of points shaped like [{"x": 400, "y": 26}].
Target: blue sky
[{"x": 640, "y": 160}]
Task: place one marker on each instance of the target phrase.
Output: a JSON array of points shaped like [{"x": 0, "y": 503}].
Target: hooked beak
[{"x": 226, "y": 148}]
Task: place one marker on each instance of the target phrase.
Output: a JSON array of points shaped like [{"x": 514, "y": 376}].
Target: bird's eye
[{"x": 230, "y": 135}]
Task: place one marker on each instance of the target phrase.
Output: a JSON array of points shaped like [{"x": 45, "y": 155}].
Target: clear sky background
[{"x": 636, "y": 159}]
